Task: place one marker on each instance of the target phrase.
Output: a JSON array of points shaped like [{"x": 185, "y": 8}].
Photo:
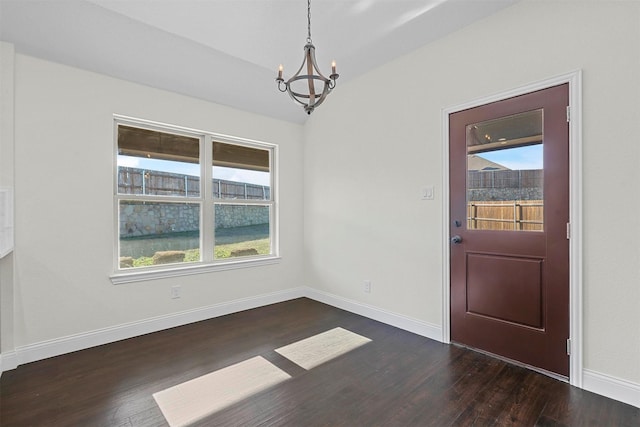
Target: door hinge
[
  {"x": 568, "y": 113},
  {"x": 568, "y": 230},
  {"x": 569, "y": 346}
]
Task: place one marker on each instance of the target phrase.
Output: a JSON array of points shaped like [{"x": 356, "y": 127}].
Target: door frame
[{"x": 574, "y": 79}]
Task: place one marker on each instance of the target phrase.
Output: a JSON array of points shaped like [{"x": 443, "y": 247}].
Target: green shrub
[
  {"x": 192, "y": 255},
  {"x": 143, "y": 261}
]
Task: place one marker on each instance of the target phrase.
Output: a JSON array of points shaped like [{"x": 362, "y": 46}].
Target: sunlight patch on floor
[
  {"x": 193, "y": 400},
  {"x": 318, "y": 349}
]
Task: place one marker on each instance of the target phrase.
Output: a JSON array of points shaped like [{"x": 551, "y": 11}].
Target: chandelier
[{"x": 308, "y": 86}]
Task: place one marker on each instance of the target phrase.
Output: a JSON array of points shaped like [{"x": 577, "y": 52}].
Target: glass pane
[
  {"x": 505, "y": 173},
  {"x": 158, "y": 233},
  {"x": 157, "y": 163},
  {"x": 242, "y": 230},
  {"x": 241, "y": 172}
]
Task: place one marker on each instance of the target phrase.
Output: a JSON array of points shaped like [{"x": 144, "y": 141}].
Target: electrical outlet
[
  {"x": 367, "y": 286},
  {"x": 175, "y": 291}
]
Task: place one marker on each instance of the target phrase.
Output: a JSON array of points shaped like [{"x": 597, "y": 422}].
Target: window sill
[{"x": 139, "y": 276}]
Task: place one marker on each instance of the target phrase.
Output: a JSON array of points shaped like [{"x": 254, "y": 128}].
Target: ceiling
[{"x": 228, "y": 51}]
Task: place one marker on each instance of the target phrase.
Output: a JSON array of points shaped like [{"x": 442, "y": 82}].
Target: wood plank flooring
[{"x": 399, "y": 379}]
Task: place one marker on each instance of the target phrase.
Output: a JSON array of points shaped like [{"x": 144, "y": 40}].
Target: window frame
[{"x": 207, "y": 203}]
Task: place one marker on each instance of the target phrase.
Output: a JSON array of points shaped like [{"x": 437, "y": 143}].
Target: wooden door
[{"x": 509, "y": 186}]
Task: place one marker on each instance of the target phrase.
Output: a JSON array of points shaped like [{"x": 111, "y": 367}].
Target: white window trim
[
  {"x": 207, "y": 203},
  {"x": 190, "y": 269}
]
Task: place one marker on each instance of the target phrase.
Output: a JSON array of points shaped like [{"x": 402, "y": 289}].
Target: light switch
[{"x": 427, "y": 193}]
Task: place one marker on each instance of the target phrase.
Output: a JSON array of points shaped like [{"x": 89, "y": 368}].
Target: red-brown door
[{"x": 509, "y": 187}]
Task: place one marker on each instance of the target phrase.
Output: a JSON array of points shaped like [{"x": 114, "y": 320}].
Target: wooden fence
[
  {"x": 505, "y": 179},
  {"x": 524, "y": 215},
  {"x": 140, "y": 181}
]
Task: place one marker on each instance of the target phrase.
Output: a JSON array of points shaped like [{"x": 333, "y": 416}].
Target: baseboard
[
  {"x": 614, "y": 388},
  {"x": 56, "y": 347},
  {"x": 8, "y": 361},
  {"x": 416, "y": 326}
]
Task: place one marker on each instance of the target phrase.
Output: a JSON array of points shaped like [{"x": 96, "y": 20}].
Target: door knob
[{"x": 456, "y": 239}]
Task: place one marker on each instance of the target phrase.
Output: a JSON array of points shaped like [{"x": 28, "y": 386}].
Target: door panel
[
  {"x": 505, "y": 289},
  {"x": 509, "y": 187}
]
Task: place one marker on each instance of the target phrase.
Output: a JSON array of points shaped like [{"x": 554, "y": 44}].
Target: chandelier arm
[
  {"x": 311, "y": 53},
  {"x": 323, "y": 96},
  {"x": 309, "y": 109},
  {"x": 282, "y": 86},
  {"x": 325, "y": 90},
  {"x": 305, "y": 77},
  {"x": 308, "y": 106},
  {"x": 310, "y": 82},
  {"x": 299, "y": 72},
  {"x": 294, "y": 96}
]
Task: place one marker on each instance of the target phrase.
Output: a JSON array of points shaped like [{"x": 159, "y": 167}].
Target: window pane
[
  {"x": 505, "y": 173},
  {"x": 241, "y": 172},
  {"x": 158, "y": 233},
  {"x": 241, "y": 230},
  {"x": 157, "y": 163}
]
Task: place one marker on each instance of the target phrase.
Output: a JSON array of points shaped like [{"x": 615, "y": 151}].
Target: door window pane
[{"x": 505, "y": 173}]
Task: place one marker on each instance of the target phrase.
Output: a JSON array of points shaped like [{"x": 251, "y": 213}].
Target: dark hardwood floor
[{"x": 399, "y": 379}]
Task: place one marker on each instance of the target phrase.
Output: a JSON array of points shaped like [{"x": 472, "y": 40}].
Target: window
[
  {"x": 505, "y": 173},
  {"x": 187, "y": 199}
]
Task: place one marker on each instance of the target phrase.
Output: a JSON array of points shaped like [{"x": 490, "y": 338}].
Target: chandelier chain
[{"x": 308, "y": 21}]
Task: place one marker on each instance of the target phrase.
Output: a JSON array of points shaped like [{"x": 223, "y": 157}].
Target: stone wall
[
  {"x": 147, "y": 219},
  {"x": 229, "y": 216},
  {"x": 144, "y": 219}
]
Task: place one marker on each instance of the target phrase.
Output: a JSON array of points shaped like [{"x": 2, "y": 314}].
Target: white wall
[
  {"x": 64, "y": 151},
  {"x": 378, "y": 140}
]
